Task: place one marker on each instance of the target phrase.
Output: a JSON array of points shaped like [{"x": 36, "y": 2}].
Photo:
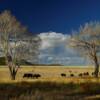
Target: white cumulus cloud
[
  {"x": 52, "y": 39},
  {"x": 55, "y": 49}
]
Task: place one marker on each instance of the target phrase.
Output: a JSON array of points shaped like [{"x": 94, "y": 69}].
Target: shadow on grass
[{"x": 47, "y": 90}]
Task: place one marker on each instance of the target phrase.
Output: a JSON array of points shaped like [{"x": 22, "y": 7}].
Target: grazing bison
[
  {"x": 27, "y": 75},
  {"x": 30, "y": 75},
  {"x": 80, "y": 75},
  {"x": 63, "y": 74},
  {"x": 72, "y": 75},
  {"x": 93, "y": 73},
  {"x": 86, "y": 73},
  {"x": 36, "y": 75}
]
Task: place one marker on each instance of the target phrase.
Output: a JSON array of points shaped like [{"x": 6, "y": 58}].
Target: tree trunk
[
  {"x": 13, "y": 77},
  {"x": 12, "y": 72},
  {"x": 96, "y": 67},
  {"x": 11, "y": 66}
]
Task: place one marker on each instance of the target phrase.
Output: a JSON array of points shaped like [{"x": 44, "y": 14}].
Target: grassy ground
[
  {"x": 50, "y": 86},
  {"x": 51, "y": 73}
]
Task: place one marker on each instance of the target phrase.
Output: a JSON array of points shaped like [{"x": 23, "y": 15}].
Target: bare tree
[
  {"x": 16, "y": 43},
  {"x": 87, "y": 42}
]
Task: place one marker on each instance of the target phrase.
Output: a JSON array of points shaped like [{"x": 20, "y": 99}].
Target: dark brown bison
[
  {"x": 71, "y": 75},
  {"x": 80, "y": 74},
  {"x": 86, "y": 73},
  {"x": 36, "y": 75},
  {"x": 63, "y": 74},
  {"x": 28, "y": 75},
  {"x": 92, "y": 73}
]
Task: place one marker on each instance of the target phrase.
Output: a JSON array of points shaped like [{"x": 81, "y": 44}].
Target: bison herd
[
  {"x": 30, "y": 75},
  {"x": 71, "y": 74},
  {"x": 84, "y": 74}
]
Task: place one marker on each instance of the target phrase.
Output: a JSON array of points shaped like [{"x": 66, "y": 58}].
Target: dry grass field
[
  {"x": 49, "y": 73},
  {"x": 51, "y": 85}
]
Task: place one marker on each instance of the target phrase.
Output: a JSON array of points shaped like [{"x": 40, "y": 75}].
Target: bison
[
  {"x": 93, "y": 73},
  {"x": 86, "y": 73},
  {"x": 36, "y": 75},
  {"x": 72, "y": 75},
  {"x": 63, "y": 74},
  {"x": 28, "y": 75},
  {"x": 80, "y": 74}
]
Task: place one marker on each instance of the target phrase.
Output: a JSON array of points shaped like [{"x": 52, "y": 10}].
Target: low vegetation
[{"x": 48, "y": 91}]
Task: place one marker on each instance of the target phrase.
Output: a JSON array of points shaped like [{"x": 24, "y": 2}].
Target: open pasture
[
  {"x": 49, "y": 73},
  {"x": 51, "y": 85}
]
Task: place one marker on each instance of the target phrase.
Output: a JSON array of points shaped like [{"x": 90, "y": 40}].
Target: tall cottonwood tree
[
  {"x": 16, "y": 43},
  {"x": 87, "y": 42}
]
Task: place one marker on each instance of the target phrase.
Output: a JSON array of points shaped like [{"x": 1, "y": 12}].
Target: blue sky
[
  {"x": 53, "y": 15},
  {"x": 53, "y": 21}
]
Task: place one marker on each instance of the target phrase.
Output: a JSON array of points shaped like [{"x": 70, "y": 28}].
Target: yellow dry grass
[{"x": 49, "y": 74}]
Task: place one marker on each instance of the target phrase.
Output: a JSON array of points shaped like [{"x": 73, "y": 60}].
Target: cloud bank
[
  {"x": 52, "y": 39},
  {"x": 55, "y": 49}
]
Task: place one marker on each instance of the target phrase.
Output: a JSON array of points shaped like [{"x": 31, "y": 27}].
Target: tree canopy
[
  {"x": 16, "y": 42},
  {"x": 87, "y": 42}
]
